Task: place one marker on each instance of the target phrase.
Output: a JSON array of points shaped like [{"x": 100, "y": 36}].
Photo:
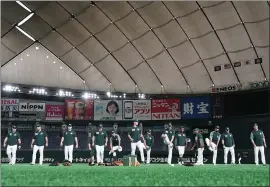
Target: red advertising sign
[
  {"x": 54, "y": 112},
  {"x": 79, "y": 109},
  {"x": 166, "y": 109}
]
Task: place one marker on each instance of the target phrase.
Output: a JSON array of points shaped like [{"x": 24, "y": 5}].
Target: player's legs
[
  {"x": 41, "y": 156},
  {"x": 133, "y": 148},
  {"x": 170, "y": 148},
  {"x": 13, "y": 151},
  {"x": 35, "y": 149},
  {"x": 261, "y": 149},
  {"x": 70, "y": 153},
  {"x": 207, "y": 141},
  {"x": 66, "y": 152},
  {"x": 9, "y": 150},
  {"x": 181, "y": 151},
  {"x": 101, "y": 153},
  {"x": 256, "y": 154},
  {"x": 200, "y": 156},
  {"x": 92, "y": 154},
  {"x": 226, "y": 150},
  {"x": 148, "y": 156},
  {"x": 98, "y": 149},
  {"x": 139, "y": 145},
  {"x": 114, "y": 148},
  {"x": 214, "y": 146},
  {"x": 232, "y": 154}
]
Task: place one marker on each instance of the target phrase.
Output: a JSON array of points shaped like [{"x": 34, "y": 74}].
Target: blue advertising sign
[{"x": 196, "y": 107}]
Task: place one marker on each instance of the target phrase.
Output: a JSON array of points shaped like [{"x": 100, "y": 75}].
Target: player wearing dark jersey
[{"x": 115, "y": 145}]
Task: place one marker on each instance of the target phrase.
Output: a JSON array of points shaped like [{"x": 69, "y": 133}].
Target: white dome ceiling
[{"x": 171, "y": 47}]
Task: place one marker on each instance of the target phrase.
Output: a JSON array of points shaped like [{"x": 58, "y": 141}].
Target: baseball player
[
  {"x": 200, "y": 146},
  {"x": 39, "y": 140},
  {"x": 168, "y": 137},
  {"x": 180, "y": 143},
  {"x": 12, "y": 141},
  {"x": 115, "y": 145},
  {"x": 258, "y": 140},
  {"x": 68, "y": 139},
  {"x": 213, "y": 142},
  {"x": 100, "y": 141},
  {"x": 149, "y": 141},
  {"x": 228, "y": 145},
  {"x": 135, "y": 136}
]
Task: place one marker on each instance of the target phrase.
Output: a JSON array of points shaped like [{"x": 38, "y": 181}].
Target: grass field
[{"x": 146, "y": 175}]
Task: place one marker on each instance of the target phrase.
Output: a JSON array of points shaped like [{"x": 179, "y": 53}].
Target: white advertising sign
[
  {"x": 9, "y": 104},
  {"x": 226, "y": 88},
  {"x": 108, "y": 110},
  {"x": 32, "y": 107},
  {"x": 137, "y": 109}
]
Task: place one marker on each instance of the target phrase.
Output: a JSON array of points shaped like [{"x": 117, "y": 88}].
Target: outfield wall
[{"x": 25, "y": 156}]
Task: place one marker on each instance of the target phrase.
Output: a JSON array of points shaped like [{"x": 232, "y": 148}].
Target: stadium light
[
  {"x": 87, "y": 95},
  {"x": 109, "y": 94},
  {"x": 141, "y": 96},
  {"x": 63, "y": 93},
  {"x": 25, "y": 19},
  {"x": 22, "y": 5},
  {"x": 40, "y": 91},
  {"x": 124, "y": 95},
  {"x": 26, "y": 34},
  {"x": 9, "y": 88}
]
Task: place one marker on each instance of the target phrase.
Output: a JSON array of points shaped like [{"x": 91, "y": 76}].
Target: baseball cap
[
  {"x": 217, "y": 127},
  {"x": 113, "y": 131},
  {"x": 182, "y": 126},
  {"x": 135, "y": 120},
  {"x": 197, "y": 129},
  {"x": 14, "y": 126},
  {"x": 37, "y": 125},
  {"x": 227, "y": 128},
  {"x": 149, "y": 130},
  {"x": 255, "y": 125},
  {"x": 100, "y": 126},
  {"x": 69, "y": 125}
]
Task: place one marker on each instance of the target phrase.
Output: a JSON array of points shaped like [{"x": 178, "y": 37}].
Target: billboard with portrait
[{"x": 108, "y": 110}]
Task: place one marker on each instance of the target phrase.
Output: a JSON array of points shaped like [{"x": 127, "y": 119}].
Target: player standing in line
[
  {"x": 39, "y": 139},
  {"x": 168, "y": 137},
  {"x": 149, "y": 141},
  {"x": 180, "y": 144},
  {"x": 228, "y": 145},
  {"x": 68, "y": 139},
  {"x": 200, "y": 146},
  {"x": 135, "y": 136},
  {"x": 13, "y": 141},
  {"x": 92, "y": 150},
  {"x": 258, "y": 140},
  {"x": 213, "y": 142},
  {"x": 115, "y": 145},
  {"x": 100, "y": 141}
]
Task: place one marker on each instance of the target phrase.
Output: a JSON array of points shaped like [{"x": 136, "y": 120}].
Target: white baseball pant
[
  {"x": 140, "y": 146},
  {"x": 226, "y": 151},
  {"x": 181, "y": 150},
  {"x": 212, "y": 147},
  {"x": 114, "y": 148},
  {"x": 35, "y": 150},
  {"x": 200, "y": 156},
  {"x": 11, "y": 152},
  {"x": 69, "y": 152},
  {"x": 100, "y": 153},
  {"x": 258, "y": 149},
  {"x": 170, "y": 148}
]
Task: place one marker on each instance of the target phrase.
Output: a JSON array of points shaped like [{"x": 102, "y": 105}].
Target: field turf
[{"x": 145, "y": 175}]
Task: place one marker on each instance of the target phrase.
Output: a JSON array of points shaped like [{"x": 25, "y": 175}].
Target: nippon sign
[
  {"x": 227, "y": 88},
  {"x": 32, "y": 107}
]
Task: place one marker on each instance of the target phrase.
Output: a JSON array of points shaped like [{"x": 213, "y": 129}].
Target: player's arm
[
  {"x": 152, "y": 142},
  {"x": 251, "y": 139},
  {"x": 201, "y": 142},
  {"x": 89, "y": 144},
  {"x": 93, "y": 140},
  {"x": 119, "y": 140},
  {"x": 173, "y": 136},
  {"x": 33, "y": 141},
  {"x": 106, "y": 139},
  {"x": 264, "y": 142},
  {"x": 19, "y": 140},
  {"x": 144, "y": 141},
  {"x": 222, "y": 140},
  {"x": 62, "y": 140},
  {"x": 5, "y": 141},
  {"x": 46, "y": 139},
  {"x": 233, "y": 141},
  {"x": 175, "y": 142},
  {"x": 76, "y": 139},
  {"x": 218, "y": 141},
  {"x": 129, "y": 136},
  {"x": 111, "y": 143},
  {"x": 210, "y": 139}
]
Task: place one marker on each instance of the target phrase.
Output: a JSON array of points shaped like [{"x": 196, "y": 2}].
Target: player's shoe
[
  {"x": 264, "y": 164},
  {"x": 179, "y": 163},
  {"x": 171, "y": 165},
  {"x": 32, "y": 164},
  {"x": 198, "y": 164}
]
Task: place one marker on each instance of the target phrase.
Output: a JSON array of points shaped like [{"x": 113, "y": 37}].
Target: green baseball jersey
[
  {"x": 69, "y": 137},
  {"x": 215, "y": 136},
  {"x": 257, "y": 137},
  {"x": 228, "y": 139},
  {"x": 180, "y": 139},
  {"x": 135, "y": 134},
  {"x": 149, "y": 140},
  {"x": 100, "y": 137},
  {"x": 199, "y": 140},
  {"x": 40, "y": 138},
  {"x": 170, "y": 133},
  {"x": 13, "y": 138}
]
